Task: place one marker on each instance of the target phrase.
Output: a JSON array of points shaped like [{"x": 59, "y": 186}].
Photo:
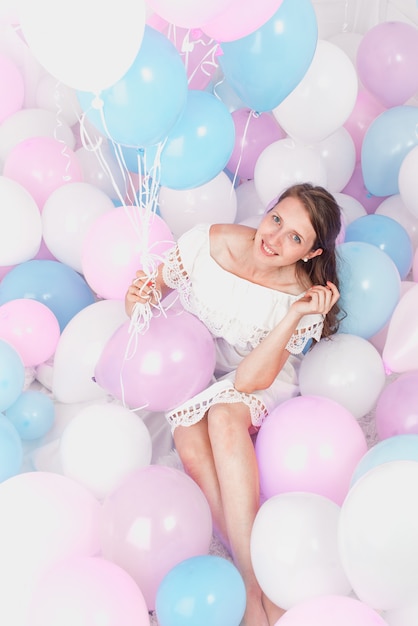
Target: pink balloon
[
  {"x": 309, "y": 443},
  {"x": 357, "y": 189},
  {"x": 331, "y": 610},
  {"x": 91, "y": 590},
  {"x": 365, "y": 110},
  {"x": 115, "y": 247},
  {"x": 41, "y": 165},
  {"x": 253, "y": 133},
  {"x": 12, "y": 88},
  {"x": 173, "y": 360},
  {"x": 386, "y": 62},
  {"x": 31, "y": 328},
  {"x": 397, "y": 407},
  {"x": 155, "y": 519},
  {"x": 379, "y": 339},
  {"x": 240, "y": 18},
  {"x": 188, "y": 13},
  {"x": 400, "y": 353}
]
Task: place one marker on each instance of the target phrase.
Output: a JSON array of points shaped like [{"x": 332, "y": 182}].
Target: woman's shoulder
[{"x": 229, "y": 236}]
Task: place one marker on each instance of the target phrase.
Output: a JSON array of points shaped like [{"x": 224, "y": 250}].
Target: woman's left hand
[{"x": 318, "y": 299}]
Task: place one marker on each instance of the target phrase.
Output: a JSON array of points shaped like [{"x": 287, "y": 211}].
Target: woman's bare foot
[{"x": 254, "y": 615}]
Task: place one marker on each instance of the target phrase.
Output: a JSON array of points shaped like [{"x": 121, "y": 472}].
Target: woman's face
[{"x": 285, "y": 234}]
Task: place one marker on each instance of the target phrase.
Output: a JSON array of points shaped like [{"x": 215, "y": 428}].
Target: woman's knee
[
  {"x": 228, "y": 419},
  {"x": 192, "y": 445}
]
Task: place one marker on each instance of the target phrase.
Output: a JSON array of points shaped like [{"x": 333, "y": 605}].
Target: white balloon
[
  {"x": 283, "y": 163},
  {"x": 102, "y": 445},
  {"x": 345, "y": 368},
  {"x": 20, "y": 223},
  {"x": 324, "y": 98},
  {"x": 249, "y": 205},
  {"x": 349, "y": 43},
  {"x": 101, "y": 168},
  {"x": 294, "y": 548},
  {"x": 59, "y": 99},
  {"x": 338, "y": 152},
  {"x": 212, "y": 202},
  {"x": 67, "y": 215},
  {"x": 404, "y": 616},
  {"x": 351, "y": 207},
  {"x": 79, "y": 348},
  {"x": 408, "y": 181}
]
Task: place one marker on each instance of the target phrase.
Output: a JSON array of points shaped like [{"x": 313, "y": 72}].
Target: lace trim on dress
[
  {"x": 193, "y": 413},
  {"x": 176, "y": 277},
  {"x": 300, "y": 338}
]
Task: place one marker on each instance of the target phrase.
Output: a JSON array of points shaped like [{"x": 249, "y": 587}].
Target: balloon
[
  {"x": 88, "y": 590},
  {"x": 206, "y": 127},
  {"x": 214, "y": 202},
  {"x": 348, "y": 42},
  {"x": 101, "y": 169},
  {"x": 387, "y": 141},
  {"x": 141, "y": 107},
  {"x": 396, "y": 408},
  {"x": 67, "y": 215},
  {"x": 396, "y": 448},
  {"x": 101, "y": 445},
  {"x": 394, "y": 207},
  {"x": 187, "y": 13},
  {"x": 365, "y": 111},
  {"x": 41, "y": 165},
  {"x": 240, "y": 18},
  {"x": 33, "y": 414},
  {"x": 291, "y": 442},
  {"x": 351, "y": 207},
  {"x": 294, "y": 548},
  {"x": 386, "y": 62},
  {"x": 356, "y": 188},
  {"x": 327, "y": 94},
  {"x": 59, "y": 99},
  {"x": 79, "y": 349},
  {"x": 404, "y": 616},
  {"x": 369, "y": 287},
  {"x": 20, "y": 223},
  {"x": 265, "y": 66},
  {"x": 400, "y": 351},
  {"x": 78, "y": 52},
  {"x": 338, "y": 153},
  {"x": 379, "y": 339},
  {"x": 12, "y": 88},
  {"x": 283, "y": 163},
  {"x": 118, "y": 243},
  {"x": 386, "y": 234},
  {"x": 407, "y": 181},
  {"x": 148, "y": 536},
  {"x": 54, "y": 284},
  {"x": 377, "y": 539},
  {"x": 202, "y": 590},
  {"x": 31, "y": 328},
  {"x": 12, "y": 375},
  {"x": 11, "y": 450},
  {"x": 170, "y": 362},
  {"x": 46, "y": 518},
  {"x": 249, "y": 204},
  {"x": 253, "y": 133},
  {"x": 329, "y": 610},
  {"x": 346, "y": 369}
]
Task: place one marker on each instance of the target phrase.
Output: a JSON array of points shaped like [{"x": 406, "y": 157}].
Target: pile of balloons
[{"x": 122, "y": 125}]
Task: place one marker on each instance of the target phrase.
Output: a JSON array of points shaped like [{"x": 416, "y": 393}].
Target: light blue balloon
[
  {"x": 388, "y": 235},
  {"x": 32, "y": 414},
  {"x": 370, "y": 287},
  {"x": 396, "y": 448},
  {"x": 198, "y": 147},
  {"x": 12, "y": 375},
  {"x": 141, "y": 107},
  {"x": 11, "y": 450},
  {"x": 264, "y": 67},
  {"x": 201, "y": 591},
  {"x": 54, "y": 284},
  {"x": 386, "y": 143}
]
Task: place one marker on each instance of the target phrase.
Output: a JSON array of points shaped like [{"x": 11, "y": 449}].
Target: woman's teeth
[{"x": 267, "y": 249}]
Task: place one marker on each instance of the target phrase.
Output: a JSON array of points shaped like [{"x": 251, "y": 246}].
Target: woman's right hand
[{"x": 142, "y": 289}]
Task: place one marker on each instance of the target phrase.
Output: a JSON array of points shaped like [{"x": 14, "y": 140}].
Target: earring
[{"x": 305, "y": 260}]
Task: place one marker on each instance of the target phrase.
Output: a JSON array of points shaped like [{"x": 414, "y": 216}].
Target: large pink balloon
[
  {"x": 309, "y": 443},
  {"x": 155, "y": 519},
  {"x": 116, "y": 245},
  {"x": 386, "y": 62},
  {"x": 240, "y": 18},
  {"x": 400, "y": 353},
  {"x": 331, "y": 610},
  {"x": 397, "y": 407},
  {"x": 12, "y": 88},
  {"x": 91, "y": 590},
  {"x": 365, "y": 110},
  {"x": 166, "y": 365},
  {"x": 41, "y": 165}
]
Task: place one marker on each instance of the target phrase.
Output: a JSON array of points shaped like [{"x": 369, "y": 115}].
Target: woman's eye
[
  {"x": 276, "y": 219},
  {"x": 296, "y": 239}
]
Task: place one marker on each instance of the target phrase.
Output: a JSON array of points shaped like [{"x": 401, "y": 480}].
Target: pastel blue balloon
[
  {"x": 264, "y": 67},
  {"x": 388, "y": 235},
  {"x": 56, "y": 285},
  {"x": 198, "y": 147},
  {"x": 370, "y": 287},
  {"x": 387, "y": 141},
  {"x": 203, "y": 590},
  {"x": 141, "y": 107},
  {"x": 11, "y": 450},
  {"x": 396, "y": 448},
  {"x": 32, "y": 414},
  {"x": 12, "y": 375}
]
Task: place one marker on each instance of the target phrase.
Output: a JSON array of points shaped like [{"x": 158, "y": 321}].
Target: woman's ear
[{"x": 314, "y": 253}]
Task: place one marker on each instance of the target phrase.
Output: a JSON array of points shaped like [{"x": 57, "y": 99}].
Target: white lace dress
[{"x": 239, "y": 314}]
